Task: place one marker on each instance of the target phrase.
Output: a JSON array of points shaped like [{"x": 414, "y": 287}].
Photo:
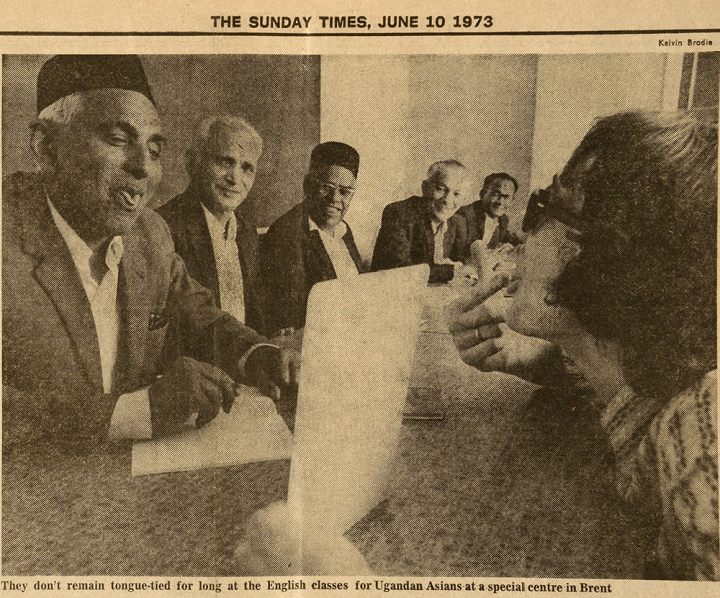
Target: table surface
[{"x": 509, "y": 483}]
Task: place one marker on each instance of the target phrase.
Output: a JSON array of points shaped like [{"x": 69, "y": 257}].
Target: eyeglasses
[
  {"x": 542, "y": 206},
  {"x": 330, "y": 188}
]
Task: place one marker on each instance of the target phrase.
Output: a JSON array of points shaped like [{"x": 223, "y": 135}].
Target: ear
[
  {"x": 425, "y": 187},
  {"x": 42, "y": 143}
]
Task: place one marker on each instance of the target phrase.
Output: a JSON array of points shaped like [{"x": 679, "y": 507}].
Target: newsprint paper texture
[{"x": 495, "y": 492}]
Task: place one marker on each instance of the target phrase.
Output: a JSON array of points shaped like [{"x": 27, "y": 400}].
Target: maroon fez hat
[
  {"x": 65, "y": 74},
  {"x": 334, "y": 153}
]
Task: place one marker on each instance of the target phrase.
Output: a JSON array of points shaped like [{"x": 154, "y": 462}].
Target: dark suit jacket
[
  {"x": 293, "y": 258},
  {"x": 474, "y": 215},
  {"x": 406, "y": 239},
  {"x": 191, "y": 236},
  {"x": 52, "y": 379}
]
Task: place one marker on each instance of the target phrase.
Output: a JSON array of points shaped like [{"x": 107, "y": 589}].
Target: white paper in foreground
[
  {"x": 252, "y": 431},
  {"x": 357, "y": 349}
]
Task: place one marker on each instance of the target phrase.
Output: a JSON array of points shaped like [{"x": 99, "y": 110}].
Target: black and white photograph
[{"x": 324, "y": 323}]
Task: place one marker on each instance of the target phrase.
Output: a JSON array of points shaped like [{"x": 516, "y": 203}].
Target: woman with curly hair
[{"x": 620, "y": 271}]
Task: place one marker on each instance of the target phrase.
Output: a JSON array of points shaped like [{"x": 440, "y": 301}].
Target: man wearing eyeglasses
[
  {"x": 424, "y": 230},
  {"x": 311, "y": 242}
]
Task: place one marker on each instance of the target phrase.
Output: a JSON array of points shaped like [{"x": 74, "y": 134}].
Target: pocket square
[{"x": 157, "y": 321}]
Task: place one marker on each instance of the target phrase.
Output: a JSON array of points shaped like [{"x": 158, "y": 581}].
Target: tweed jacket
[{"x": 52, "y": 377}]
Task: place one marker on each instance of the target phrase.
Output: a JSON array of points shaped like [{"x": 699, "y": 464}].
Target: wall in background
[
  {"x": 523, "y": 114},
  {"x": 574, "y": 89},
  {"x": 279, "y": 95},
  {"x": 402, "y": 113}
]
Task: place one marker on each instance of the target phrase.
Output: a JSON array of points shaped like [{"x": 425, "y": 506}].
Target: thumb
[{"x": 480, "y": 292}]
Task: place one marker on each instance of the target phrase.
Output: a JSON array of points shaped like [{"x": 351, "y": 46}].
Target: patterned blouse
[{"x": 667, "y": 461}]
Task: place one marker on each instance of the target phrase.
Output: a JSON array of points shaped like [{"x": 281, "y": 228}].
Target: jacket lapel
[
  {"x": 134, "y": 303},
  {"x": 428, "y": 230},
  {"x": 58, "y": 276},
  {"x": 244, "y": 249},
  {"x": 479, "y": 219},
  {"x": 450, "y": 234},
  {"x": 201, "y": 246},
  {"x": 317, "y": 259}
]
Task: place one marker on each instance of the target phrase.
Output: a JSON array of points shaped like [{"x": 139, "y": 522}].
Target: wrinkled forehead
[
  {"x": 110, "y": 106},
  {"x": 451, "y": 177},
  {"x": 333, "y": 173},
  {"x": 223, "y": 139},
  {"x": 502, "y": 185}
]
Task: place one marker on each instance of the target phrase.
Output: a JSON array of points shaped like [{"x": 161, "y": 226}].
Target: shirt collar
[
  {"x": 338, "y": 233},
  {"x": 218, "y": 228},
  {"x": 436, "y": 224},
  {"x": 79, "y": 250}
]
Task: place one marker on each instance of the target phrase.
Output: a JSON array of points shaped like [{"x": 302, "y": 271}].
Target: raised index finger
[{"x": 477, "y": 294}]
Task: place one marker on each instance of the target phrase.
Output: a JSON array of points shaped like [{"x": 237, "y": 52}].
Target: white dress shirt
[
  {"x": 131, "y": 416},
  {"x": 490, "y": 225},
  {"x": 337, "y": 250},
  {"x": 227, "y": 262}
]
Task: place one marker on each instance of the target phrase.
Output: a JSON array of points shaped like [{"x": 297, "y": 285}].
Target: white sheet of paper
[
  {"x": 252, "y": 431},
  {"x": 357, "y": 349}
]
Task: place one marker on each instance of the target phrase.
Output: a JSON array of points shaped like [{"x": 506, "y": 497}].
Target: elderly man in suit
[
  {"x": 91, "y": 282},
  {"x": 312, "y": 242},
  {"x": 425, "y": 230},
  {"x": 218, "y": 245},
  {"x": 487, "y": 219}
]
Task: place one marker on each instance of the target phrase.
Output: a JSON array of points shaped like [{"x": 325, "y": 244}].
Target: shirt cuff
[
  {"x": 246, "y": 356},
  {"x": 131, "y": 417}
]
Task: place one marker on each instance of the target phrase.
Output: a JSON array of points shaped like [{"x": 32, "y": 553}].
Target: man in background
[
  {"x": 312, "y": 242},
  {"x": 91, "y": 282},
  {"x": 425, "y": 230},
  {"x": 487, "y": 218},
  {"x": 218, "y": 245}
]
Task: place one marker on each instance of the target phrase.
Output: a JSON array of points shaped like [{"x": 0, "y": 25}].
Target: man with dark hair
[
  {"x": 311, "y": 242},
  {"x": 487, "y": 219},
  {"x": 218, "y": 245},
  {"x": 91, "y": 282},
  {"x": 424, "y": 230}
]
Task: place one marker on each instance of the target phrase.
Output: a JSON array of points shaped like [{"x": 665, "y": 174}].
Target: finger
[
  {"x": 464, "y": 339},
  {"x": 284, "y": 367},
  {"x": 480, "y": 315},
  {"x": 295, "y": 365},
  {"x": 475, "y": 356},
  {"x": 494, "y": 363},
  {"x": 207, "y": 403},
  {"x": 266, "y": 387},
  {"x": 224, "y": 384},
  {"x": 478, "y": 293}
]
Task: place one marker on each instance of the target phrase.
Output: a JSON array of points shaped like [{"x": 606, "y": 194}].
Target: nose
[
  {"x": 335, "y": 197},
  {"x": 138, "y": 162},
  {"x": 232, "y": 175}
]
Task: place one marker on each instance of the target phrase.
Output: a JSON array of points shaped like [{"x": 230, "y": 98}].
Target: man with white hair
[
  {"x": 424, "y": 230},
  {"x": 91, "y": 283},
  {"x": 218, "y": 245}
]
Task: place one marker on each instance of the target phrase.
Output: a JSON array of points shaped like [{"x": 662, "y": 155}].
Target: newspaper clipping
[{"x": 364, "y": 300}]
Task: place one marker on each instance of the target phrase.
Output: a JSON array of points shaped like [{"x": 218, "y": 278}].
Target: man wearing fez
[
  {"x": 91, "y": 282},
  {"x": 312, "y": 242},
  {"x": 424, "y": 230},
  {"x": 218, "y": 245},
  {"x": 487, "y": 219}
]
